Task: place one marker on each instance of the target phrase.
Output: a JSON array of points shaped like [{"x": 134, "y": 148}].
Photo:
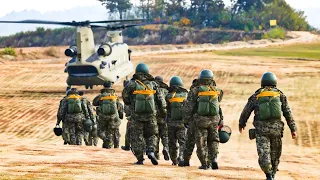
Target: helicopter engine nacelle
[
  {"x": 104, "y": 50},
  {"x": 71, "y": 51}
]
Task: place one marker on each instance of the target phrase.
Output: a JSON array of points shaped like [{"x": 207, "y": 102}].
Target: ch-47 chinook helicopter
[{"x": 90, "y": 66}]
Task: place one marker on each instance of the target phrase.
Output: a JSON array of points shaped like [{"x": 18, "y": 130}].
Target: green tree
[{"x": 120, "y": 6}]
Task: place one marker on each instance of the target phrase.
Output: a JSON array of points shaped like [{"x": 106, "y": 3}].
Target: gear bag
[
  {"x": 269, "y": 104},
  {"x": 208, "y": 103},
  {"x": 176, "y": 102},
  {"x": 109, "y": 103},
  {"x": 74, "y": 104},
  {"x": 144, "y": 98}
]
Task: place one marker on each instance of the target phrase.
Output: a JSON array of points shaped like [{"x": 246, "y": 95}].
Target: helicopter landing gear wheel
[
  {"x": 86, "y": 86},
  {"x": 91, "y": 86}
]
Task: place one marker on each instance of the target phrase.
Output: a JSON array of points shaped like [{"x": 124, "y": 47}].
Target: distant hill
[{"x": 77, "y": 14}]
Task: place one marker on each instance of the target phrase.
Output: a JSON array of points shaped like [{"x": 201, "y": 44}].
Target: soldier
[
  {"x": 162, "y": 125},
  {"x": 75, "y": 112},
  {"x": 190, "y": 125},
  {"x": 268, "y": 103},
  {"x": 110, "y": 111},
  {"x": 176, "y": 130},
  {"x": 60, "y": 118},
  {"x": 203, "y": 106},
  {"x": 90, "y": 138},
  {"x": 141, "y": 94}
]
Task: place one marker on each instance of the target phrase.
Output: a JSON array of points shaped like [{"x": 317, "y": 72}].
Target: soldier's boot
[
  {"x": 165, "y": 154},
  {"x": 125, "y": 148},
  {"x": 214, "y": 164},
  {"x": 105, "y": 144},
  {"x": 180, "y": 162},
  {"x": 269, "y": 176},
  {"x": 204, "y": 167},
  {"x": 186, "y": 161},
  {"x": 174, "y": 162},
  {"x": 65, "y": 142},
  {"x": 152, "y": 157},
  {"x": 138, "y": 163}
]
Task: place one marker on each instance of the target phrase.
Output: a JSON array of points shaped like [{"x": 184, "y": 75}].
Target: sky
[{"x": 56, "y": 5}]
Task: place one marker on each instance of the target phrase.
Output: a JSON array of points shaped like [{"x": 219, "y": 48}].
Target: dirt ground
[{"x": 31, "y": 90}]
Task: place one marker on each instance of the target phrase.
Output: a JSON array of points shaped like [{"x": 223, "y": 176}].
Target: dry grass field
[{"x": 30, "y": 92}]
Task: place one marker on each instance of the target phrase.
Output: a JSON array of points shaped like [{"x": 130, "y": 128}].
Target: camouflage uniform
[
  {"x": 191, "y": 135},
  {"x": 108, "y": 125},
  {"x": 176, "y": 131},
  {"x": 162, "y": 126},
  {"x": 144, "y": 130},
  {"x": 268, "y": 133},
  {"x": 74, "y": 124},
  {"x": 60, "y": 118},
  {"x": 206, "y": 127},
  {"x": 91, "y": 138}
]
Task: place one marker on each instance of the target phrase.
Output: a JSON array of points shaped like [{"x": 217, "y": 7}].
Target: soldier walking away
[
  {"x": 60, "y": 118},
  {"x": 268, "y": 103},
  {"x": 90, "y": 138},
  {"x": 203, "y": 106},
  {"x": 176, "y": 130},
  {"x": 190, "y": 125},
  {"x": 110, "y": 111},
  {"x": 74, "y": 112},
  {"x": 162, "y": 125},
  {"x": 142, "y": 94}
]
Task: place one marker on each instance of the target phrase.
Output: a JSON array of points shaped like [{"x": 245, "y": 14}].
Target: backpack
[
  {"x": 176, "y": 101},
  {"x": 144, "y": 98},
  {"x": 208, "y": 103},
  {"x": 74, "y": 104},
  {"x": 269, "y": 104},
  {"x": 108, "y": 104}
]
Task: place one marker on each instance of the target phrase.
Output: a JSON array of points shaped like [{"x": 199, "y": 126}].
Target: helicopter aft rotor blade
[{"x": 37, "y": 22}]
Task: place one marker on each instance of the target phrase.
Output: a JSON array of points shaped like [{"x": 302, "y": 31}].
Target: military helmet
[
  {"x": 107, "y": 84},
  {"x": 268, "y": 79},
  {"x": 224, "y": 133},
  {"x": 142, "y": 68},
  {"x": 57, "y": 131},
  {"x": 159, "y": 78},
  {"x": 87, "y": 125},
  {"x": 176, "y": 81},
  {"x": 206, "y": 74}
]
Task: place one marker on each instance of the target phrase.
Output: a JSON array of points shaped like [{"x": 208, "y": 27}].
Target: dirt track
[{"x": 30, "y": 92}]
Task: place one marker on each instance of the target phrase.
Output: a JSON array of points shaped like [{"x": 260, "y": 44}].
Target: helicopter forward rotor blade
[{"x": 38, "y": 22}]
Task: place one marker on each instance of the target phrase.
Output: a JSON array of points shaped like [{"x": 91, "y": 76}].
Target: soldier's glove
[{"x": 121, "y": 115}]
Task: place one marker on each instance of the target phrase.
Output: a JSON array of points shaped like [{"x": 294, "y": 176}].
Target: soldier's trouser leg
[
  {"x": 87, "y": 138},
  {"x": 181, "y": 135},
  {"x": 79, "y": 133},
  {"x": 109, "y": 141},
  {"x": 127, "y": 137},
  {"x": 213, "y": 143},
  {"x": 276, "y": 149},
  {"x": 72, "y": 133},
  {"x": 202, "y": 146},
  {"x": 64, "y": 135},
  {"x": 137, "y": 139},
  {"x": 263, "y": 148},
  {"x": 173, "y": 148},
  {"x": 190, "y": 142},
  {"x": 116, "y": 138},
  {"x": 151, "y": 132},
  {"x": 164, "y": 136}
]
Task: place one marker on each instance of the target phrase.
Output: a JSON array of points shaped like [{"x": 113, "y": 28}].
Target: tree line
[{"x": 241, "y": 15}]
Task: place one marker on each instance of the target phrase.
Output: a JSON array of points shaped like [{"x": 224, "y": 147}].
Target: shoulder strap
[
  {"x": 176, "y": 99},
  {"x": 146, "y": 91},
  {"x": 211, "y": 92},
  {"x": 74, "y": 96}
]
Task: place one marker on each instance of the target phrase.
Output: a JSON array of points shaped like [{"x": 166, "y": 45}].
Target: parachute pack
[
  {"x": 269, "y": 104},
  {"x": 109, "y": 103},
  {"x": 176, "y": 102},
  {"x": 144, "y": 99},
  {"x": 208, "y": 102},
  {"x": 74, "y": 104}
]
